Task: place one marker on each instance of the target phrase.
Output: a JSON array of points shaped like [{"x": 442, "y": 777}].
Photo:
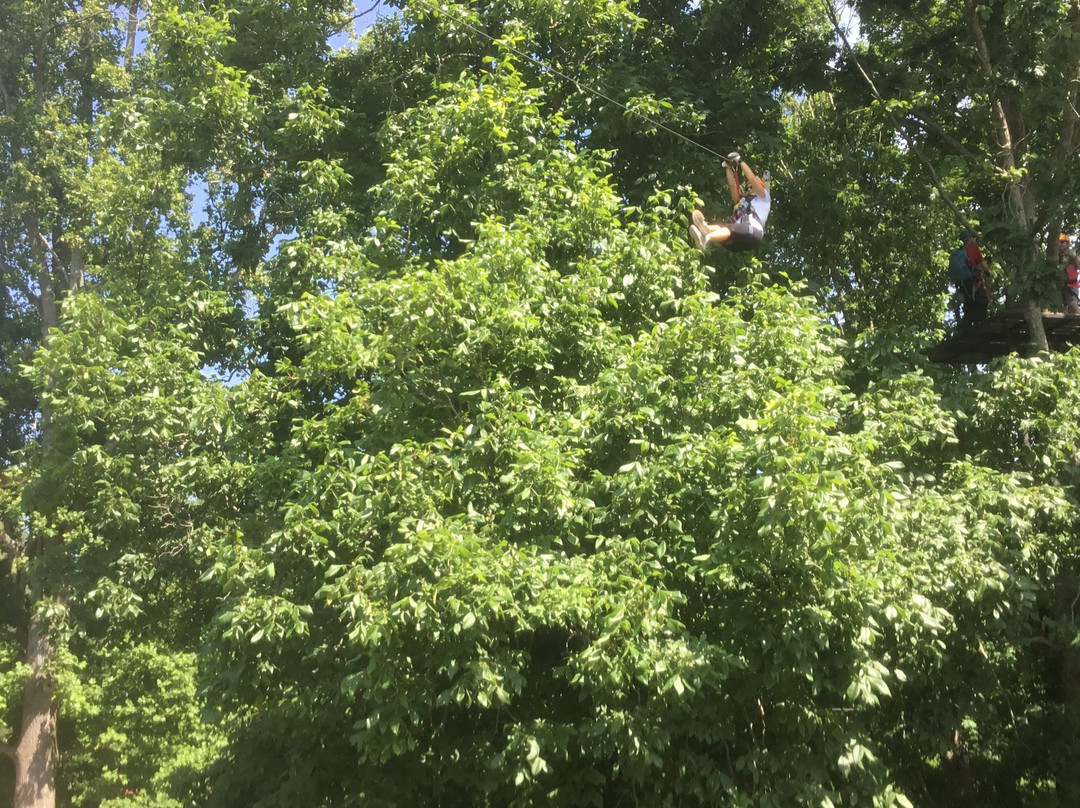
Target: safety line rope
[{"x": 582, "y": 87}]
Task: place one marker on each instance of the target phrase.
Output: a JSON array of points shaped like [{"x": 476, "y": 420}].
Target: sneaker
[
  {"x": 700, "y": 241},
  {"x": 699, "y": 220}
]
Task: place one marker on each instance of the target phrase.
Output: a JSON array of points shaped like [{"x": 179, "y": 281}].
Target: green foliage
[
  {"x": 134, "y": 457},
  {"x": 135, "y": 733},
  {"x": 875, "y": 257},
  {"x": 513, "y": 499},
  {"x": 563, "y": 527},
  {"x": 984, "y": 93}
]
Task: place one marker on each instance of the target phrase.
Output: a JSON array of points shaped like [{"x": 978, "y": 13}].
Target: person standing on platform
[
  {"x": 970, "y": 272},
  {"x": 1070, "y": 292}
]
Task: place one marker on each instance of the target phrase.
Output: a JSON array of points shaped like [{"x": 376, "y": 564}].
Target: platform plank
[{"x": 1003, "y": 333}]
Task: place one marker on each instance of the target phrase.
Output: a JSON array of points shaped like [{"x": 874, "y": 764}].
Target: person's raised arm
[{"x": 753, "y": 180}]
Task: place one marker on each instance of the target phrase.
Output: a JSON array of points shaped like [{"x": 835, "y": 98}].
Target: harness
[
  {"x": 1072, "y": 281},
  {"x": 744, "y": 209}
]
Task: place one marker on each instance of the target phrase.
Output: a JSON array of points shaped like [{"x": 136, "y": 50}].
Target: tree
[
  {"x": 994, "y": 117},
  {"x": 874, "y": 256},
  {"x": 549, "y": 522},
  {"x": 47, "y": 96},
  {"x": 666, "y": 89},
  {"x": 511, "y": 497},
  {"x": 99, "y": 150}
]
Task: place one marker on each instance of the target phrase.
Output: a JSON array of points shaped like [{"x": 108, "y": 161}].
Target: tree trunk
[
  {"x": 132, "y": 30},
  {"x": 1067, "y": 598},
  {"x": 36, "y": 750},
  {"x": 1033, "y": 319},
  {"x": 35, "y": 755},
  {"x": 59, "y": 270},
  {"x": 1010, "y": 126}
]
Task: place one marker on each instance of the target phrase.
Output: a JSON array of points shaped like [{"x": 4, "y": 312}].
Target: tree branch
[
  {"x": 1008, "y": 145},
  {"x": 17, "y": 280},
  {"x": 8, "y": 545},
  {"x": 5, "y": 96},
  {"x": 919, "y": 21},
  {"x": 982, "y": 50},
  {"x": 1070, "y": 117},
  {"x": 374, "y": 6},
  {"x": 831, "y": 11},
  {"x": 932, "y": 127},
  {"x": 1024, "y": 215},
  {"x": 132, "y": 32},
  {"x": 1066, "y": 147},
  {"x": 58, "y": 264}
]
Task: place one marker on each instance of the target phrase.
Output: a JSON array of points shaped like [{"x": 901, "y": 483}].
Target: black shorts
[{"x": 744, "y": 236}]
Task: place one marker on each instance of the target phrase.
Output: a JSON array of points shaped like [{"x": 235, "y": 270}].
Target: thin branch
[
  {"x": 1008, "y": 146},
  {"x": 57, "y": 263},
  {"x": 6, "y": 97},
  {"x": 941, "y": 190},
  {"x": 919, "y": 21},
  {"x": 1070, "y": 117},
  {"x": 374, "y": 6},
  {"x": 935, "y": 129},
  {"x": 8, "y": 545},
  {"x": 982, "y": 50},
  {"x": 831, "y": 11},
  {"x": 132, "y": 32},
  {"x": 18, "y": 281}
]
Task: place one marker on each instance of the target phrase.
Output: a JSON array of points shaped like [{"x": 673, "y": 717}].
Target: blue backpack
[{"x": 959, "y": 270}]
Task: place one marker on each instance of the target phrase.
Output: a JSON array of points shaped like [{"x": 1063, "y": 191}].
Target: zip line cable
[
  {"x": 830, "y": 9},
  {"x": 582, "y": 87}
]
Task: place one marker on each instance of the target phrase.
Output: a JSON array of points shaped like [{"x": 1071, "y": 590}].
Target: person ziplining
[{"x": 752, "y": 203}]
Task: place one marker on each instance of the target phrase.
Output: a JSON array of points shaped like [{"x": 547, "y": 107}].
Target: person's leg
[
  {"x": 744, "y": 234},
  {"x": 705, "y": 234},
  {"x": 699, "y": 237},
  {"x": 699, "y": 230},
  {"x": 967, "y": 302},
  {"x": 980, "y": 307},
  {"x": 717, "y": 233},
  {"x": 742, "y": 239}
]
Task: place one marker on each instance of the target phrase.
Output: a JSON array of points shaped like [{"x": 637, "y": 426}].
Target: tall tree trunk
[
  {"x": 1034, "y": 321},
  {"x": 1066, "y": 147},
  {"x": 1008, "y": 127},
  {"x": 35, "y": 754},
  {"x": 36, "y": 749},
  {"x": 132, "y": 30},
  {"x": 60, "y": 270},
  {"x": 1066, "y": 602}
]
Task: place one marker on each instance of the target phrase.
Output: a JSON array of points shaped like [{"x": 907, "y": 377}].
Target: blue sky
[{"x": 365, "y": 12}]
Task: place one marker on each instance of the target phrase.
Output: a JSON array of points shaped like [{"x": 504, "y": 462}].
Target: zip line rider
[{"x": 752, "y": 203}]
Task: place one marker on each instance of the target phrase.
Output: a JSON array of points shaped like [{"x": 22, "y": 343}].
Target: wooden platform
[{"x": 1004, "y": 333}]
